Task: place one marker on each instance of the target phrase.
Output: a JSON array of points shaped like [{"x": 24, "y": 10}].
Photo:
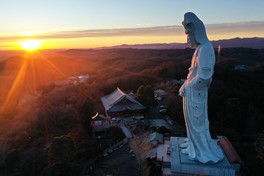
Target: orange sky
[{"x": 110, "y": 37}]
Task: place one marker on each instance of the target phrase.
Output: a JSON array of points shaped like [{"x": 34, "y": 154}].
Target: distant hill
[
  {"x": 255, "y": 43},
  {"x": 154, "y": 46}
]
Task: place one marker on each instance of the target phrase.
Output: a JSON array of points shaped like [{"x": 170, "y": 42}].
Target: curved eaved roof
[{"x": 112, "y": 101}]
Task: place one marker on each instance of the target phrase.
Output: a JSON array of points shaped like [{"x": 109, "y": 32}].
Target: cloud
[
  {"x": 148, "y": 31},
  {"x": 239, "y": 27},
  {"x": 212, "y": 29}
]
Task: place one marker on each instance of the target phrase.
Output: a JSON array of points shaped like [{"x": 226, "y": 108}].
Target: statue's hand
[{"x": 182, "y": 91}]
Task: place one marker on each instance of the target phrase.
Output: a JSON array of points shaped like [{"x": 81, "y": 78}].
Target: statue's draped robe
[{"x": 200, "y": 145}]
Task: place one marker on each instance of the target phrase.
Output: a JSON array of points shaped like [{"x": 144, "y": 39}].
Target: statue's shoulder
[
  {"x": 206, "y": 55},
  {"x": 206, "y": 45},
  {"x": 206, "y": 48}
]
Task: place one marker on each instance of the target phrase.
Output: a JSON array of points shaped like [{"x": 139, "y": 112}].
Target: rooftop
[{"x": 111, "y": 101}]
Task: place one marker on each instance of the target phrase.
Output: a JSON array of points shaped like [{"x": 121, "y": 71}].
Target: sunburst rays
[{"x": 35, "y": 68}]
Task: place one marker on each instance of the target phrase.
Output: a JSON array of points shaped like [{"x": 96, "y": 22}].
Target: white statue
[{"x": 198, "y": 145}]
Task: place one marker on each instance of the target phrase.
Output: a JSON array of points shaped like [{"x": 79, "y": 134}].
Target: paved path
[{"x": 119, "y": 162}]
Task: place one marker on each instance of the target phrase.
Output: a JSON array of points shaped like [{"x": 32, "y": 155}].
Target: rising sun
[{"x": 30, "y": 44}]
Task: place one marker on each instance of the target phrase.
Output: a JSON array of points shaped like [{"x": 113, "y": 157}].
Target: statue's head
[{"x": 194, "y": 29}]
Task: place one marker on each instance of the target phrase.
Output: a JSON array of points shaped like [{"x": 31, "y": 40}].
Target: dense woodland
[{"x": 50, "y": 133}]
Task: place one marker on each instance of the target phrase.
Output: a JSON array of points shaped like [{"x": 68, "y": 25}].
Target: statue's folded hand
[{"x": 182, "y": 91}]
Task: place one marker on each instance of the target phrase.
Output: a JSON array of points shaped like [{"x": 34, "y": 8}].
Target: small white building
[
  {"x": 159, "y": 93},
  {"x": 241, "y": 67},
  {"x": 156, "y": 139},
  {"x": 83, "y": 78}
]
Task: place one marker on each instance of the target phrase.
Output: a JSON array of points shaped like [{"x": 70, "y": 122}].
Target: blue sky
[{"x": 52, "y": 16}]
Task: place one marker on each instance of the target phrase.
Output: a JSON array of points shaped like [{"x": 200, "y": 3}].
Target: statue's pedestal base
[{"x": 181, "y": 164}]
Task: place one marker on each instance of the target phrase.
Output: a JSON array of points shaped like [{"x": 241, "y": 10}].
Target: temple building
[
  {"x": 119, "y": 104},
  {"x": 100, "y": 122}
]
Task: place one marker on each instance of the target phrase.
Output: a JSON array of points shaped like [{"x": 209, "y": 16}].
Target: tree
[
  {"x": 141, "y": 152},
  {"x": 12, "y": 161},
  {"x": 116, "y": 133},
  {"x": 260, "y": 146},
  {"x": 59, "y": 169},
  {"x": 145, "y": 94},
  {"x": 86, "y": 112},
  {"x": 62, "y": 149},
  {"x": 87, "y": 147},
  {"x": 61, "y": 153},
  {"x": 174, "y": 103}
]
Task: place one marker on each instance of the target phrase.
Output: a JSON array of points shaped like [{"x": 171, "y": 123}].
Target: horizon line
[{"x": 124, "y": 44}]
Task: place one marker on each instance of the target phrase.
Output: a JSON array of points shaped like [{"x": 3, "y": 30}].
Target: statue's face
[{"x": 190, "y": 36}]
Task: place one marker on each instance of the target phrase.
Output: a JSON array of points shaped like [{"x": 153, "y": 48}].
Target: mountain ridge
[{"x": 254, "y": 42}]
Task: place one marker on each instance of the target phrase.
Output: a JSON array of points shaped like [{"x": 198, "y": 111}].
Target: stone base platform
[{"x": 182, "y": 165}]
